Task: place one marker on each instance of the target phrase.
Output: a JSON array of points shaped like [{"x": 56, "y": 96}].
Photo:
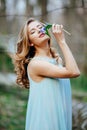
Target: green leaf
[{"x": 48, "y": 26}]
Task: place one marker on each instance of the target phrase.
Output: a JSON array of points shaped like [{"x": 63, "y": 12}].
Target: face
[{"x": 36, "y": 37}]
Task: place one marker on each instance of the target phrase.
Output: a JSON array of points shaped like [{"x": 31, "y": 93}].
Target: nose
[
  {"x": 43, "y": 30},
  {"x": 38, "y": 30}
]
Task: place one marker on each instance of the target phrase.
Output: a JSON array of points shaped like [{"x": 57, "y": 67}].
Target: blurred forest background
[{"x": 13, "y": 14}]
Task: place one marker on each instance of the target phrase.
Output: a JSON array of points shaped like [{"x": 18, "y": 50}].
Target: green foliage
[
  {"x": 48, "y": 26},
  {"x": 5, "y": 62},
  {"x": 79, "y": 88},
  {"x": 80, "y": 83},
  {"x": 13, "y": 104}
]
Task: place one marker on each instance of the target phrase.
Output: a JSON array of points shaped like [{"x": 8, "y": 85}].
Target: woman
[{"x": 39, "y": 68}]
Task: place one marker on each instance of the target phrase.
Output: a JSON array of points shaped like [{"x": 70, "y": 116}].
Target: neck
[{"x": 43, "y": 51}]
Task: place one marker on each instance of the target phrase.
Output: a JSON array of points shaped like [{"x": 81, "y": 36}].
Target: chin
[{"x": 45, "y": 39}]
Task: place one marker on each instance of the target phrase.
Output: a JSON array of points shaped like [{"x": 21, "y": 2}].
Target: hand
[{"x": 58, "y": 32}]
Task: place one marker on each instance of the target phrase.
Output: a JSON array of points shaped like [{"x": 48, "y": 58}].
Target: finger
[
  {"x": 61, "y": 26},
  {"x": 58, "y": 28},
  {"x": 53, "y": 28}
]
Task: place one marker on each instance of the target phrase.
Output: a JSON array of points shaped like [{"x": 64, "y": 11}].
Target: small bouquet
[{"x": 47, "y": 26}]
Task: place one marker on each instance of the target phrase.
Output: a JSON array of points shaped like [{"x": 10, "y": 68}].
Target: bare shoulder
[
  {"x": 39, "y": 69},
  {"x": 36, "y": 63},
  {"x": 33, "y": 70}
]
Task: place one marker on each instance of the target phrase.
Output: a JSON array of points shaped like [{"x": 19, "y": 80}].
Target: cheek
[{"x": 34, "y": 39}]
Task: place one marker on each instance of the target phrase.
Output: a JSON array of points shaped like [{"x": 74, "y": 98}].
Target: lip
[{"x": 41, "y": 35}]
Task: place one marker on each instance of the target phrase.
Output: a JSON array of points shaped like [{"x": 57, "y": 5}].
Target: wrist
[{"x": 62, "y": 42}]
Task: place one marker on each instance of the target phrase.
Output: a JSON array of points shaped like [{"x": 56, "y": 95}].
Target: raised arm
[{"x": 70, "y": 62}]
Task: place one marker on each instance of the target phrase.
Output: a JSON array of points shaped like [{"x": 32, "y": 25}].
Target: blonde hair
[{"x": 24, "y": 54}]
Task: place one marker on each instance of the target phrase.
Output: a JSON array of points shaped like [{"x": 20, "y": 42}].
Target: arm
[
  {"x": 47, "y": 69},
  {"x": 70, "y": 62}
]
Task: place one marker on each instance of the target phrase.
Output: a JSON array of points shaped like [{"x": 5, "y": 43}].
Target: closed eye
[
  {"x": 32, "y": 32},
  {"x": 40, "y": 27}
]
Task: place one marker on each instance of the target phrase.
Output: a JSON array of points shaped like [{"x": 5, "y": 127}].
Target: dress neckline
[{"x": 43, "y": 57}]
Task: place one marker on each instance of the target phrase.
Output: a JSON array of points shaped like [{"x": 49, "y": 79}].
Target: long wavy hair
[{"x": 24, "y": 53}]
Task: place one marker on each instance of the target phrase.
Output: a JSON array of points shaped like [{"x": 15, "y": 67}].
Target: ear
[{"x": 31, "y": 44}]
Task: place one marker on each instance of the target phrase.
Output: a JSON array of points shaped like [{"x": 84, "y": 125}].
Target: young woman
[{"x": 39, "y": 68}]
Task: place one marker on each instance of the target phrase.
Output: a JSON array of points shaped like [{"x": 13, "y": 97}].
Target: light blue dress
[{"x": 50, "y": 103}]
